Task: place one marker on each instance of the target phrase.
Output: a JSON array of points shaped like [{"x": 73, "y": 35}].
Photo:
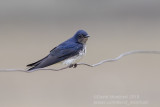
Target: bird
[{"x": 68, "y": 52}]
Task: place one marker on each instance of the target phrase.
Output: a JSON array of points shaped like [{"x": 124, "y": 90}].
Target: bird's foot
[{"x": 73, "y": 66}]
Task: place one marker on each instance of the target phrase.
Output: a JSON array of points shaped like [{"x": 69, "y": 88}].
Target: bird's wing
[
  {"x": 56, "y": 55},
  {"x": 36, "y": 63},
  {"x": 66, "y": 51}
]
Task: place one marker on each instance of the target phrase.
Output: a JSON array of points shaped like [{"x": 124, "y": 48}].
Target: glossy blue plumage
[{"x": 68, "y": 49}]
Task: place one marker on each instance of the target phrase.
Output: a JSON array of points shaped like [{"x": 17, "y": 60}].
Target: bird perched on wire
[{"x": 68, "y": 52}]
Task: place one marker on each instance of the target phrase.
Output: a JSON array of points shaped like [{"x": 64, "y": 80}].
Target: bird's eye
[{"x": 80, "y": 36}]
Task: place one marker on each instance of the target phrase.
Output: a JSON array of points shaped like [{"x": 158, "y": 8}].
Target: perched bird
[{"x": 68, "y": 52}]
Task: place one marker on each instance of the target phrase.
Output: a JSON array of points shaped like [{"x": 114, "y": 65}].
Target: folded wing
[{"x": 56, "y": 55}]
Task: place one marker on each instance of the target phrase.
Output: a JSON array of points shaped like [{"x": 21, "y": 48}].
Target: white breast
[{"x": 76, "y": 58}]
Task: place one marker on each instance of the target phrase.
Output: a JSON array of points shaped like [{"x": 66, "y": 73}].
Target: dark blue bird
[{"x": 68, "y": 52}]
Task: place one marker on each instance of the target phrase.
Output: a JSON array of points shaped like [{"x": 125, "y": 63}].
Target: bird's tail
[{"x": 35, "y": 64}]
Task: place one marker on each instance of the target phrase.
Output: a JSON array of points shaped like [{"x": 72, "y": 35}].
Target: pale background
[{"x": 29, "y": 29}]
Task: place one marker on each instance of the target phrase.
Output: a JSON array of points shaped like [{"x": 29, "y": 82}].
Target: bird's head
[{"x": 81, "y": 36}]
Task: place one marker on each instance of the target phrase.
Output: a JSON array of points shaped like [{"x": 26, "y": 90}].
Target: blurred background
[{"x": 29, "y": 29}]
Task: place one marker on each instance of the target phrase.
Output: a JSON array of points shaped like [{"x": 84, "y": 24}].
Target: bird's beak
[{"x": 87, "y": 36}]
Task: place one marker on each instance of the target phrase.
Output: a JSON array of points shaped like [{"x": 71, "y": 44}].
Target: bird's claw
[{"x": 73, "y": 66}]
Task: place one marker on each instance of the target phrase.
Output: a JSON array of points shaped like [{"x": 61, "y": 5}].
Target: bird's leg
[{"x": 73, "y": 65}]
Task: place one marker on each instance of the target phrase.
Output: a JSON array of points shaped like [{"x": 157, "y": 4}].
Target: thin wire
[{"x": 89, "y": 65}]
